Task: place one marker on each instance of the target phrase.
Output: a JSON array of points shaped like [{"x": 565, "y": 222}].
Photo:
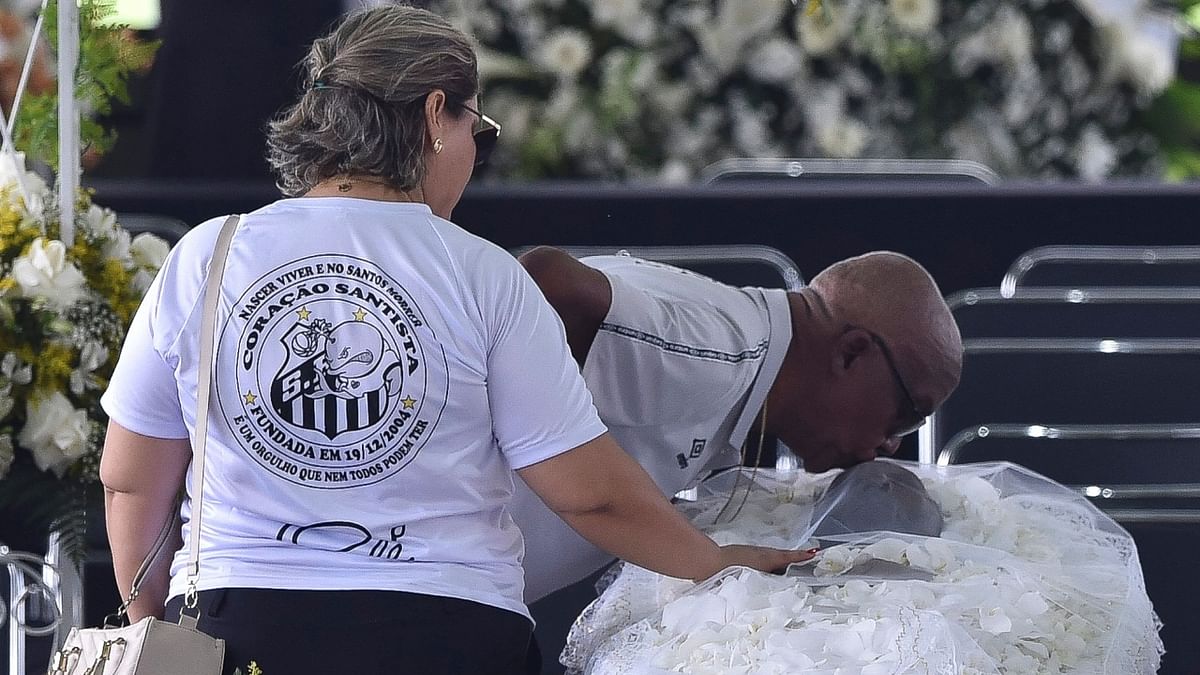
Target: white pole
[
  {"x": 28, "y": 66},
  {"x": 68, "y": 117}
]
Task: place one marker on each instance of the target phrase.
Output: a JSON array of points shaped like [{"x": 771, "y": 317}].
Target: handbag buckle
[
  {"x": 105, "y": 653},
  {"x": 62, "y": 660}
]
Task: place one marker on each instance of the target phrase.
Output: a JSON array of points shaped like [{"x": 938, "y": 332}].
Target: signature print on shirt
[
  {"x": 344, "y": 536},
  {"x": 332, "y": 387}
]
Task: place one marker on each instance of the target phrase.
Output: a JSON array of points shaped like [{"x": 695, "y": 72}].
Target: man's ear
[
  {"x": 849, "y": 347},
  {"x": 435, "y": 115}
]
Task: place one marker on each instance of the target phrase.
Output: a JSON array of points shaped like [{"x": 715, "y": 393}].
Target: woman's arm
[
  {"x": 602, "y": 493},
  {"x": 142, "y": 476}
]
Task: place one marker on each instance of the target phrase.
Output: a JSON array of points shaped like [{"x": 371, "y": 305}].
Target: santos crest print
[{"x": 331, "y": 387}]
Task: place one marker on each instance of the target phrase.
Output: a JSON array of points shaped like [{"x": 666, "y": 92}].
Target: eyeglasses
[
  {"x": 485, "y": 137},
  {"x": 914, "y": 418}
]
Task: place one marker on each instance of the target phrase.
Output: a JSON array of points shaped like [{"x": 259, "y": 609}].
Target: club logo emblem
[
  {"x": 331, "y": 387},
  {"x": 336, "y": 379}
]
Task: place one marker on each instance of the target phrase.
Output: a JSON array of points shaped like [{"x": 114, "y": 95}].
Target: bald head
[{"x": 893, "y": 296}]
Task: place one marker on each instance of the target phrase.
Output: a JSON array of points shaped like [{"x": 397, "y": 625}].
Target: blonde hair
[{"x": 362, "y": 110}]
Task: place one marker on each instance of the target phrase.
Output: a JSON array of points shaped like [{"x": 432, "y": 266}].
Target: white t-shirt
[
  {"x": 380, "y": 373},
  {"x": 679, "y": 370}
]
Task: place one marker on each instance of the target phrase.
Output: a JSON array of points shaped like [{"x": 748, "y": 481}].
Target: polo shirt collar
[{"x": 779, "y": 316}]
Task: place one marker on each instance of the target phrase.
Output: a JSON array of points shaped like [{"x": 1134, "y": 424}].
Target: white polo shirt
[
  {"x": 679, "y": 370},
  {"x": 380, "y": 373}
]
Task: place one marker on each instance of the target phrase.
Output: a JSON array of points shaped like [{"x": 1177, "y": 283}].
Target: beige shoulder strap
[{"x": 208, "y": 325}]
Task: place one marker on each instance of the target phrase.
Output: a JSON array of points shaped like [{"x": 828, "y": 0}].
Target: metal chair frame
[
  {"x": 928, "y": 440},
  {"x": 1123, "y": 432},
  {"x": 1099, "y": 255},
  {"x": 1074, "y": 296},
  {"x": 933, "y": 169},
  {"x": 170, "y": 229},
  {"x": 680, "y": 256}
]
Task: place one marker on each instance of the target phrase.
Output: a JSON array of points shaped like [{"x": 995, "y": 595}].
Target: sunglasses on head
[{"x": 486, "y": 136}]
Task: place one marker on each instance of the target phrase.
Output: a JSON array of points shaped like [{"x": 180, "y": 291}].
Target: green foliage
[
  {"x": 1175, "y": 116},
  {"x": 108, "y": 56},
  {"x": 1174, "y": 120}
]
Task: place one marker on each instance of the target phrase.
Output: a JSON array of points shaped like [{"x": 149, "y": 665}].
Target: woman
[{"x": 379, "y": 375}]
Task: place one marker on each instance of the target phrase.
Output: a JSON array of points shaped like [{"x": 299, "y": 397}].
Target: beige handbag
[{"x": 152, "y": 646}]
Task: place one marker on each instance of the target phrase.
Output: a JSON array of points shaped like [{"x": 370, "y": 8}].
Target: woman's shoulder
[{"x": 472, "y": 251}]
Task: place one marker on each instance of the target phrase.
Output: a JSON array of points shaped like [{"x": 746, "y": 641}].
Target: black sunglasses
[
  {"x": 485, "y": 137},
  {"x": 914, "y": 418}
]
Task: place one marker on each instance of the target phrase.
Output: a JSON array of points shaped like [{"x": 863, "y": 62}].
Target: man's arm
[
  {"x": 579, "y": 294},
  {"x": 602, "y": 493},
  {"x": 142, "y": 476}
]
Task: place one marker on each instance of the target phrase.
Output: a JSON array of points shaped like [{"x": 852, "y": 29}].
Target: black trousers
[{"x": 360, "y": 632}]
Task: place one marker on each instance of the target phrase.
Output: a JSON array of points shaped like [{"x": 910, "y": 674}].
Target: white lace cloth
[{"x": 1028, "y": 577}]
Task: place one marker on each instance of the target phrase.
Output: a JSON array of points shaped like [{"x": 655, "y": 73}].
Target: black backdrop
[{"x": 966, "y": 236}]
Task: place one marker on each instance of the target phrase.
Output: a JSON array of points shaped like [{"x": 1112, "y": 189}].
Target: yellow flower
[
  {"x": 252, "y": 669},
  {"x": 52, "y": 365}
]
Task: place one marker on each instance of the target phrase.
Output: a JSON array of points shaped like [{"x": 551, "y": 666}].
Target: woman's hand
[{"x": 763, "y": 559}]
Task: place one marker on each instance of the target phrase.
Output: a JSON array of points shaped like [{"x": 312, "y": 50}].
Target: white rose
[
  {"x": 16, "y": 370},
  {"x": 1145, "y": 52},
  {"x": 994, "y": 620},
  {"x": 117, "y": 246},
  {"x": 888, "y": 549},
  {"x": 1094, "y": 157},
  {"x": 843, "y": 138},
  {"x": 149, "y": 251},
  {"x": 582, "y": 133},
  {"x": 6, "y": 454},
  {"x": 613, "y": 13},
  {"x": 55, "y": 432},
  {"x": 6, "y": 400},
  {"x": 91, "y": 357},
  {"x": 985, "y": 139},
  {"x": 1105, "y": 12},
  {"x": 749, "y": 18},
  {"x": 565, "y": 52},
  {"x": 13, "y": 172},
  {"x": 823, "y": 31},
  {"x": 638, "y": 29},
  {"x": 776, "y": 61},
  {"x": 100, "y": 221},
  {"x": 45, "y": 273},
  {"x": 1012, "y": 36},
  {"x": 494, "y": 64},
  {"x": 675, "y": 172},
  {"x": 916, "y": 16},
  {"x": 835, "y": 561}
]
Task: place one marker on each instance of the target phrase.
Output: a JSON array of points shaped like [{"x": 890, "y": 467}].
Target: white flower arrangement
[
  {"x": 68, "y": 289},
  {"x": 63, "y": 314},
  {"x": 1026, "y": 578},
  {"x": 663, "y": 88}
]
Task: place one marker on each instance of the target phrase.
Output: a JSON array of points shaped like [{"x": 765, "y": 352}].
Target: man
[{"x": 683, "y": 370}]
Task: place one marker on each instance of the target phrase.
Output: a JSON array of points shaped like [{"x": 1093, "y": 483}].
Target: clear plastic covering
[{"x": 1026, "y": 577}]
